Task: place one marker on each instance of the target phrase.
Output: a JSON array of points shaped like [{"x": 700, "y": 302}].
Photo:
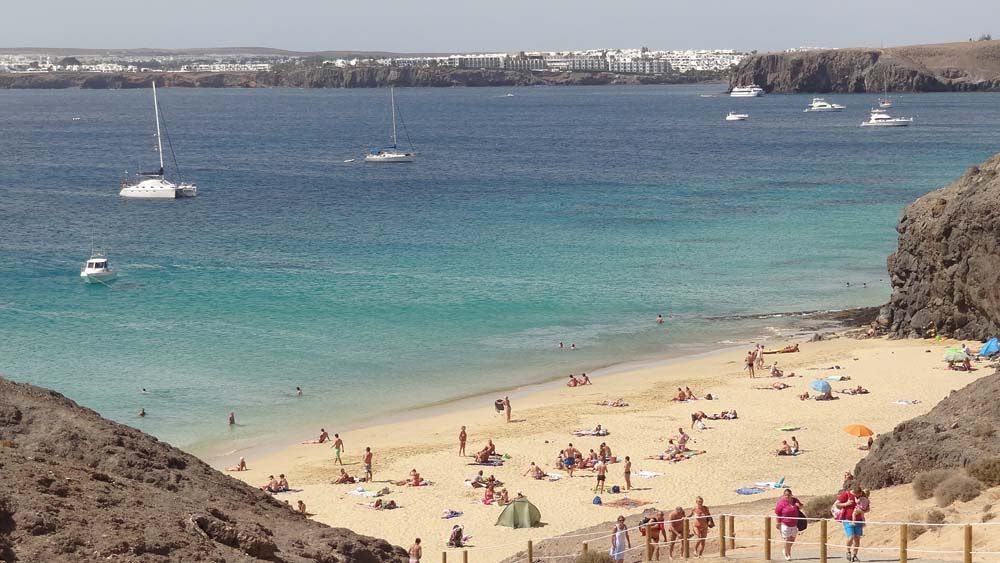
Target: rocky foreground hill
[
  {"x": 945, "y": 272},
  {"x": 77, "y": 487},
  {"x": 333, "y": 77},
  {"x": 969, "y": 66}
]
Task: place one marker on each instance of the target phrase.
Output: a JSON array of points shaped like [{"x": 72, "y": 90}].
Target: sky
[{"x": 499, "y": 25}]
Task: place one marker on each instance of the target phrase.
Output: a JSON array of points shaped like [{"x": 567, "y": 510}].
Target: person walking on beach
[
  {"x": 506, "y": 408},
  {"x": 702, "y": 522},
  {"x": 338, "y": 448},
  {"x": 602, "y": 476},
  {"x": 416, "y": 552},
  {"x": 847, "y": 503},
  {"x": 368, "y": 465},
  {"x": 656, "y": 529},
  {"x": 749, "y": 362},
  {"x": 620, "y": 542},
  {"x": 462, "y": 437},
  {"x": 628, "y": 473},
  {"x": 789, "y": 510},
  {"x": 675, "y": 525}
]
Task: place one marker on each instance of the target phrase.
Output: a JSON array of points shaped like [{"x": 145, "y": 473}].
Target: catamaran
[
  {"x": 154, "y": 185},
  {"x": 390, "y": 153}
]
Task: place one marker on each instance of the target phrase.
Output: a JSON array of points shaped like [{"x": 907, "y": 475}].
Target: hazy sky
[{"x": 499, "y": 25}]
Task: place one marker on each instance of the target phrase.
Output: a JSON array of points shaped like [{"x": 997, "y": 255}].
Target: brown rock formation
[
  {"x": 920, "y": 68},
  {"x": 77, "y": 487},
  {"x": 962, "y": 428},
  {"x": 945, "y": 272}
]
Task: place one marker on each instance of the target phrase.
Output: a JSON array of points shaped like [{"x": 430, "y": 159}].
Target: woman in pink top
[{"x": 789, "y": 511}]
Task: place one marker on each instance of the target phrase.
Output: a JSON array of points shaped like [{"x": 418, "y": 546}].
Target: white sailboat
[
  {"x": 154, "y": 185},
  {"x": 390, "y": 153}
]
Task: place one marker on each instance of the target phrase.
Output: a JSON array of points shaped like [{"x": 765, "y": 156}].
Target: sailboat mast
[
  {"x": 392, "y": 102},
  {"x": 159, "y": 143}
]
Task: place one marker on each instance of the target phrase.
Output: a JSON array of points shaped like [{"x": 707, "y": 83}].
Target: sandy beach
[{"x": 738, "y": 453}]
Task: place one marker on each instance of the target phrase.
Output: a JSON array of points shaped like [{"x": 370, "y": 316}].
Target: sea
[{"x": 570, "y": 215}]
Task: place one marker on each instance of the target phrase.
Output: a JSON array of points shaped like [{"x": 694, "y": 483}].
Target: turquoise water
[{"x": 559, "y": 214}]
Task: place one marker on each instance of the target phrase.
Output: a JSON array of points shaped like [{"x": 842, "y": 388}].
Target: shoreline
[
  {"x": 739, "y": 453},
  {"x": 799, "y": 323}
]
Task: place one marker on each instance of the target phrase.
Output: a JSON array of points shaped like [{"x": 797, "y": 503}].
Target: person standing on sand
[
  {"x": 462, "y": 437},
  {"x": 338, "y": 448},
  {"x": 675, "y": 524},
  {"x": 368, "y": 465},
  {"x": 628, "y": 474},
  {"x": 702, "y": 522},
  {"x": 416, "y": 552},
  {"x": 619, "y": 540},
  {"x": 748, "y": 363},
  {"x": 760, "y": 356},
  {"x": 602, "y": 475},
  {"x": 506, "y": 407}
]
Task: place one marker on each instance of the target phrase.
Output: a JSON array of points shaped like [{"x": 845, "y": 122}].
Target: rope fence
[{"x": 726, "y": 537}]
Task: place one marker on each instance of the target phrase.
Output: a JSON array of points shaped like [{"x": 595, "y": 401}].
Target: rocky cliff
[
  {"x": 922, "y": 68},
  {"x": 945, "y": 272},
  {"x": 332, "y": 77},
  {"x": 959, "y": 430},
  {"x": 77, "y": 487}
]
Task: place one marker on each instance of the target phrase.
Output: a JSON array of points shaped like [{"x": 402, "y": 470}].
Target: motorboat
[
  {"x": 154, "y": 185},
  {"x": 884, "y": 103},
  {"x": 97, "y": 269},
  {"x": 821, "y": 105},
  {"x": 879, "y": 118},
  {"x": 392, "y": 152},
  {"x": 752, "y": 91},
  {"x": 734, "y": 116}
]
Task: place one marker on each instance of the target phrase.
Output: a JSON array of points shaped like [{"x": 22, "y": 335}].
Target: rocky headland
[
  {"x": 969, "y": 66},
  {"x": 945, "y": 273},
  {"x": 78, "y": 487},
  {"x": 333, "y": 77}
]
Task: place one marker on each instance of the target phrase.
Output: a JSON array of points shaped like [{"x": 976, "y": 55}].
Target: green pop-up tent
[{"x": 519, "y": 514}]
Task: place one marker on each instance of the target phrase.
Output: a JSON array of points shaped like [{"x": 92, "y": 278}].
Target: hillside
[
  {"x": 945, "y": 272},
  {"x": 332, "y": 77},
  {"x": 78, "y": 487},
  {"x": 968, "y": 66}
]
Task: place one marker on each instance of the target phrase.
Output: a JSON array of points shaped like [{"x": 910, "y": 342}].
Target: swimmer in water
[
  {"x": 142, "y": 412},
  {"x": 232, "y": 418},
  {"x": 298, "y": 391}
]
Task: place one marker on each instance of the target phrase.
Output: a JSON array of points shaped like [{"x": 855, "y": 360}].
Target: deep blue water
[{"x": 560, "y": 214}]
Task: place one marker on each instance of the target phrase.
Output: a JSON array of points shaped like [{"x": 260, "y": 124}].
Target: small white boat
[
  {"x": 821, "y": 105},
  {"x": 508, "y": 95},
  {"x": 390, "y": 153},
  {"x": 884, "y": 103},
  {"x": 880, "y": 118},
  {"x": 154, "y": 185},
  {"x": 96, "y": 269},
  {"x": 752, "y": 91},
  {"x": 734, "y": 116}
]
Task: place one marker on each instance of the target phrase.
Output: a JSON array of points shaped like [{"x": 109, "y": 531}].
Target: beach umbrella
[
  {"x": 820, "y": 386},
  {"x": 955, "y": 355},
  {"x": 859, "y": 430}
]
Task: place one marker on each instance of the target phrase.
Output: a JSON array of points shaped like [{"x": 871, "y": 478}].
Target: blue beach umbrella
[{"x": 820, "y": 386}]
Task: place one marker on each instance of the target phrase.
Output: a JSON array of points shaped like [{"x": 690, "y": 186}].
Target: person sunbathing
[
  {"x": 478, "y": 481},
  {"x": 282, "y": 484},
  {"x": 615, "y": 403},
  {"x": 785, "y": 448},
  {"x": 415, "y": 480},
  {"x": 775, "y": 372},
  {"x": 859, "y": 390},
  {"x": 504, "y": 499},
  {"x": 535, "y": 472},
  {"x": 585, "y": 380},
  {"x": 804, "y": 396},
  {"x": 689, "y": 395},
  {"x": 345, "y": 479},
  {"x": 488, "y": 496},
  {"x": 572, "y": 381},
  {"x": 241, "y": 466},
  {"x": 868, "y": 446},
  {"x": 271, "y": 486},
  {"x": 776, "y": 386},
  {"x": 681, "y": 395},
  {"x": 323, "y": 438}
]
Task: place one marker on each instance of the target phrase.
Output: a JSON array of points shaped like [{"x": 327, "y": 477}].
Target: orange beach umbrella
[{"x": 859, "y": 430}]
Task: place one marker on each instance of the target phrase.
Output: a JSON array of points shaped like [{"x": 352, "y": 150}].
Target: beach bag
[
  {"x": 700, "y": 425},
  {"x": 803, "y": 523},
  {"x": 597, "y": 501},
  {"x": 616, "y": 489}
]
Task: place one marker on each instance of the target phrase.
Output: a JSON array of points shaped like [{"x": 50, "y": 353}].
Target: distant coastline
[{"x": 326, "y": 77}]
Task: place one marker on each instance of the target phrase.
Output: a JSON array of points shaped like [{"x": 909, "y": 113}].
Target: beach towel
[
  {"x": 648, "y": 474},
  {"x": 905, "y": 402},
  {"x": 779, "y": 484},
  {"x": 491, "y": 463},
  {"x": 449, "y": 513},
  {"x": 749, "y": 491},
  {"x": 553, "y": 476},
  {"x": 627, "y": 503},
  {"x": 361, "y": 492},
  {"x": 790, "y": 428},
  {"x": 602, "y": 432},
  {"x": 837, "y": 378}
]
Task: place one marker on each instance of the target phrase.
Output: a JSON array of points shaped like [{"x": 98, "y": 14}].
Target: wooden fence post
[
  {"x": 732, "y": 532},
  {"x": 531, "y": 552},
  {"x": 968, "y": 543},
  {"x": 465, "y": 556},
  {"x": 767, "y": 538},
  {"x": 722, "y": 537},
  {"x": 685, "y": 544},
  {"x": 903, "y": 537},
  {"x": 444, "y": 557},
  {"x": 585, "y": 547},
  {"x": 649, "y": 545},
  {"x": 822, "y": 541}
]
